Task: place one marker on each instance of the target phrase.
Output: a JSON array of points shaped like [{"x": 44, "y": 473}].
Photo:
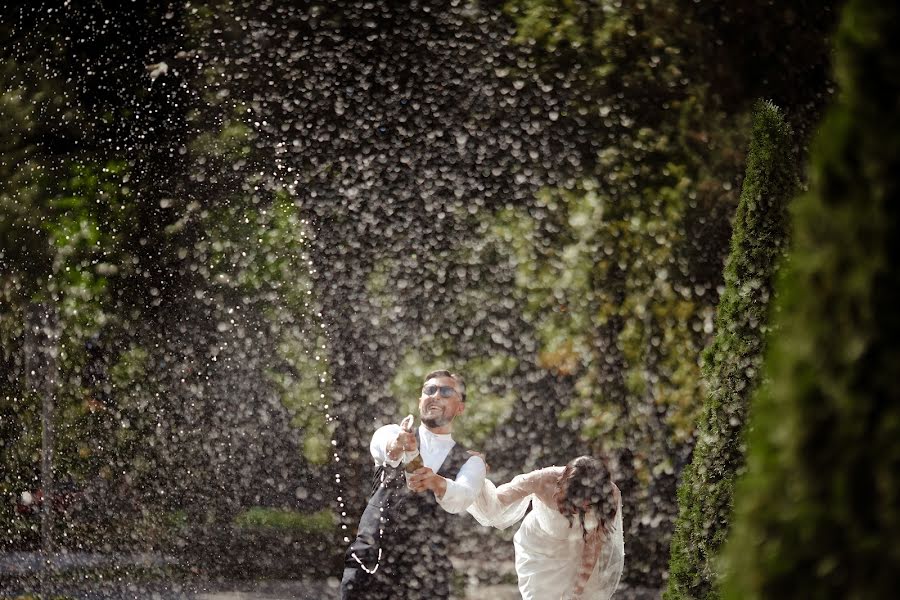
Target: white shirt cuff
[
  {"x": 462, "y": 491},
  {"x": 456, "y": 499}
]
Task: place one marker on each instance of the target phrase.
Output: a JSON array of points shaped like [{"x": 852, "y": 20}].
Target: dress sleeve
[
  {"x": 504, "y": 506},
  {"x": 525, "y": 485}
]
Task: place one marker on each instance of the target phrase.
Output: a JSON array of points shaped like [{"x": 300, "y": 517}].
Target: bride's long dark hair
[{"x": 586, "y": 485}]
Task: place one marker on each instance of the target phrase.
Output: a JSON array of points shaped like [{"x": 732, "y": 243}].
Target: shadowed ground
[{"x": 112, "y": 578}]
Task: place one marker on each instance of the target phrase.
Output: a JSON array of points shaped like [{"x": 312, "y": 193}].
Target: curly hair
[{"x": 584, "y": 486}]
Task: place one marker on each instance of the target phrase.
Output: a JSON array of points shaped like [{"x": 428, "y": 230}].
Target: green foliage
[
  {"x": 275, "y": 265},
  {"x": 76, "y": 248},
  {"x": 816, "y": 514},
  {"x": 302, "y": 390},
  {"x": 321, "y": 523},
  {"x": 28, "y": 182},
  {"x": 732, "y": 362},
  {"x": 63, "y": 220},
  {"x": 607, "y": 46},
  {"x": 569, "y": 270},
  {"x": 230, "y": 142}
]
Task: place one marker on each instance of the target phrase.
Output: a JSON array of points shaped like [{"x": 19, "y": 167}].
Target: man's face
[{"x": 438, "y": 408}]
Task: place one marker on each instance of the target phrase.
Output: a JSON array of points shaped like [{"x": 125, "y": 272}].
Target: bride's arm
[
  {"x": 526, "y": 484},
  {"x": 503, "y": 506}
]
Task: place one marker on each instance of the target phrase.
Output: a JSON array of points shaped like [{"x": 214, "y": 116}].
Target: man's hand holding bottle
[
  {"x": 403, "y": 443},
  {"x": 419, "y": 478},
  {"x": 423, "y": 479}
]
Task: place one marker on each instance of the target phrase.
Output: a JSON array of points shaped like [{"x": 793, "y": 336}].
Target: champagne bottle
[{"x": 416, "y": 461}]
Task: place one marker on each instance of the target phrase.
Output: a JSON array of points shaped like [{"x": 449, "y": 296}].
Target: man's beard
[{"x": 435, "y": 422}]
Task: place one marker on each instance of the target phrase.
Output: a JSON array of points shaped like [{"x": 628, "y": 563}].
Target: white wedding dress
[{"x": 548, "y": 551}]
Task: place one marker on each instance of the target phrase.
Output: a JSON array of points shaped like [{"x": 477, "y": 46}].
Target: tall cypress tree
[
  {"x": 818, "y": 513},
  {"x": 732, "y": 361}
]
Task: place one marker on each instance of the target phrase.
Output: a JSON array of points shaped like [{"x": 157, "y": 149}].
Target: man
[{"x": 401, "y": 546}]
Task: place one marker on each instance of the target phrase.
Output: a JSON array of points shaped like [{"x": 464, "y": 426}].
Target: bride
[{"x": 570, "y": 545}]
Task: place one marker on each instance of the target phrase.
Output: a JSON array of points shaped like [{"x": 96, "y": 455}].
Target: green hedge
[
  {"x": 817, "y": 514},
  {"x": 322, "y": 522},
  {"x": 732, "y": 362}
]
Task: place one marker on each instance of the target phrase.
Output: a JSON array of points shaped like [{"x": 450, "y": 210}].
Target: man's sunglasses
[{"x": 446, "y": 390}]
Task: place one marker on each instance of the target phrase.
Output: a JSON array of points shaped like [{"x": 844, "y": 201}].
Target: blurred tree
[
  {"x": 732, "y": 362},
  {"x": 816, "y": 512},
  {"x": 68, "y": 226}
]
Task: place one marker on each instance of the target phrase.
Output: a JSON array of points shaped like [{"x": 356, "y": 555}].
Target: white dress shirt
[{"x": 434, "y": 448}]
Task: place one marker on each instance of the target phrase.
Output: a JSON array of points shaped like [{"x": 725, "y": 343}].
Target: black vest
[{"x": 409, "y": 528}]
